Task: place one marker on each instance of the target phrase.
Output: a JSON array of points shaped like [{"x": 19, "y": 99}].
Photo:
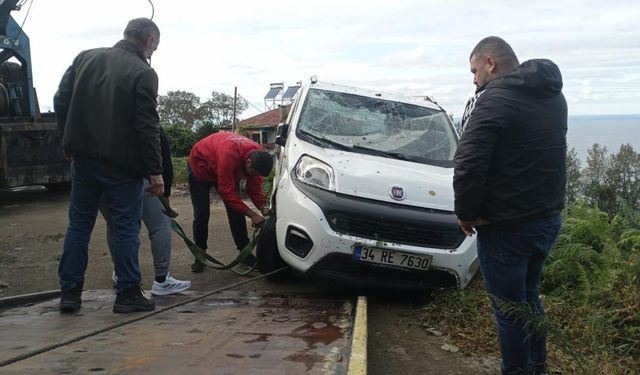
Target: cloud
[{"x": 411, "y": 47}]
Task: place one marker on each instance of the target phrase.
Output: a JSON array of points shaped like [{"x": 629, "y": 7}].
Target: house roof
[{"x": 269, "y": 119}]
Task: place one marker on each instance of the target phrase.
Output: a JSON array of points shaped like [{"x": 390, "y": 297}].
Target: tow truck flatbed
[{"x": 226, "y": 332}]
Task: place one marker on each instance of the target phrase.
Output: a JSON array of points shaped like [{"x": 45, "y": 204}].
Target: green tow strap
[{"x": 212, "y": 262}]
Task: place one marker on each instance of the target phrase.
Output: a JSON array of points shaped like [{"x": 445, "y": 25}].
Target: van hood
[{"x": 379, "y": 178}]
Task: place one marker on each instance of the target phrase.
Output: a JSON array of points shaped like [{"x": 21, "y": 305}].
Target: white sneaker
[{"x": 169, "y": 286}]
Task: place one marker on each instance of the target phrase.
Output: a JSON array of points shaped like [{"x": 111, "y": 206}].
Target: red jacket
[{"x": 220, "y": 158}]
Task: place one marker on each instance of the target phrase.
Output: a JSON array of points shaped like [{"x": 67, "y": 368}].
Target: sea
[{"x": 611, "y": 131}]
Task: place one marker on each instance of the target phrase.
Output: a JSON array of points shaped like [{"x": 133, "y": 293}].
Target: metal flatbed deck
[{"x": 196, "y": 333}]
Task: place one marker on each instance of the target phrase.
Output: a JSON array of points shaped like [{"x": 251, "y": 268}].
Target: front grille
[
  {"x": 386, "y": 221},
  {"x": 396, "y": 231}
]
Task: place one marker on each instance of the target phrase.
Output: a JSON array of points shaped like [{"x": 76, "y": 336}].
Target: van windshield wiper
[
  {"x": 384, "y": 154},
  {"x": 322, "y": 141},
  {"x": 400, "y": 156}
]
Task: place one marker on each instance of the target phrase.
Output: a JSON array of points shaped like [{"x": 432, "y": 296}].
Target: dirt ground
[{"x": 33, "y": 223}]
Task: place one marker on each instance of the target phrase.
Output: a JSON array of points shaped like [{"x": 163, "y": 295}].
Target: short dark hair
[
  {"x": 141, "y": 29},
  {"x": 497, "y": 47},
  {"x": 261, "y": 162}
]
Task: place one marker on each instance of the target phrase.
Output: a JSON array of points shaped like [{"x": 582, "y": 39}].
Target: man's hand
[
  {"x": 468, "y": 226},
  {"x": 265, "y": 211},
  {"x": 156, "y": 185},
  {"x": 256, "y": 219}
]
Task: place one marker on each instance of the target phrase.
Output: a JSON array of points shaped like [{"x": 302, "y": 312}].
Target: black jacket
[
  {"x": 510, "y": 162},
  {"x": 106, "y": 109}
]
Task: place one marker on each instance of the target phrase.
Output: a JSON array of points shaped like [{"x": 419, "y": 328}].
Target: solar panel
[
  {"x": 291, "y": 92},
  {"x": 273, "y": 92}
]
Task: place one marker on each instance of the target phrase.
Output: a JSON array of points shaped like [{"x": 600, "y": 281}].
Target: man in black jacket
[
  {"x": 509, "y": 184},
  {"x": 106, "y": 108}
]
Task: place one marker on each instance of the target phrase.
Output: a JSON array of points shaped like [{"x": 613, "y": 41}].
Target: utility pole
[{"x": 233, "y": 121}]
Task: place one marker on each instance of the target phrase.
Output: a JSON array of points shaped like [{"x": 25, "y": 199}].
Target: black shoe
[
  {"x": 197, "y": 267},
  {"x": 132, "y": 300},
  {"x": 71, "y": 299},
  {"x": 250, "y": 260}
]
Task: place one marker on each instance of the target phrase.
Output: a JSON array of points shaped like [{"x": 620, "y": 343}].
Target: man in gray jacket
[{"x": 106, "y": 108}]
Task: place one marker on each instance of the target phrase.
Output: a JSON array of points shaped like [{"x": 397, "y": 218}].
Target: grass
[
  {"x": 591, "y": 293},
  {"x": 180, "y": 170}
]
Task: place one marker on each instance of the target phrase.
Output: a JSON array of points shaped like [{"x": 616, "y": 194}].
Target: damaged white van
[{"x": 363, "y": 192}]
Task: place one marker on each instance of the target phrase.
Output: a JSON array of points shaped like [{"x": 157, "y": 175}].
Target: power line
[
  {"x": 25, "y": 17},
  {"x": 253, "y": 105},
  {"x": 153, "y": 10}
]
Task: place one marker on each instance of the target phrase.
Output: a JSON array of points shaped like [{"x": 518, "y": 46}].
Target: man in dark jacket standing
[
  {"x": 106, "y": 108},
  {"x": 509, "y": 185}
]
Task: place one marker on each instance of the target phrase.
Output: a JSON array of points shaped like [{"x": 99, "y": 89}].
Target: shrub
[
  {"x": 181, "y": 139},
  {"x": 591, "y": 292},
  {"x": 180, "y": 170}
]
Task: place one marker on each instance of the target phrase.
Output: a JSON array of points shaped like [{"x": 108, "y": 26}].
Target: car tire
[{"x": 267, "y": 255}]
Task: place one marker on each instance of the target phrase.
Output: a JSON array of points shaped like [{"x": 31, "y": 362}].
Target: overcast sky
[{"x": 410, "y": 47}]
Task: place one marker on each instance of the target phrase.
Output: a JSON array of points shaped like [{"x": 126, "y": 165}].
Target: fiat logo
[{"x": 397, "y": 192}]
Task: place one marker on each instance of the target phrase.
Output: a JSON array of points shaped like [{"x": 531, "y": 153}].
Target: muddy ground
[{"x": 32, "y": 226}]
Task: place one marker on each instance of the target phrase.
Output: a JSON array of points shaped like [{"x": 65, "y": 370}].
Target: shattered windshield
[{"x": 378, "y": 127}]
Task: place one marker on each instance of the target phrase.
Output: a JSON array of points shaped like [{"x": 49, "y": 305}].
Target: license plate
[{"x": 391, "y": 258}]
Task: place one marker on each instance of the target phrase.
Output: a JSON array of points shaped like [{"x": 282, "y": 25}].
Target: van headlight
[{"x": 312, "y": 171}]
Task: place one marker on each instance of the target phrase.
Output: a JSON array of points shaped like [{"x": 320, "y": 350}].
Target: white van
[{"x": 363, "y": 192}]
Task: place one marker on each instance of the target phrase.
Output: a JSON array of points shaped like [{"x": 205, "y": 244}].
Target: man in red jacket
[{"x": 222, "y": 160}]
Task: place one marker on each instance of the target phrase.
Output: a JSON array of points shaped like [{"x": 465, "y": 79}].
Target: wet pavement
[{"x": 225, "y": 333}]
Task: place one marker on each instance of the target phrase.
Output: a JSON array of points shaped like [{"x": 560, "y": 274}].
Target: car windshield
[{"x": 376, "y": 126}]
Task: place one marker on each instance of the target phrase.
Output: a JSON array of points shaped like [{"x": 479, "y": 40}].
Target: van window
[{"x": 376, "y": 126}]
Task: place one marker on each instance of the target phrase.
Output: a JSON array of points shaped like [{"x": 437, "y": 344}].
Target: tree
[
  {"x": 205, "y": 130},
  {"x": 183, "y": 109},
  {"x": 612, "y": 181},
  {"x": 179, "y": 108},
  {"x": 598, "y": 190},
  {"x": 181, "y": 139},
  {"x": 624, "y": 175},
  {"x": 574, "y": 175},
  {"x": 597, "y": 163},
  {"x": 219, "y": 108}
]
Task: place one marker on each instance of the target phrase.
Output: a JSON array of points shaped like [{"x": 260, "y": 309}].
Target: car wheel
[{"x": 268, "y": 258}]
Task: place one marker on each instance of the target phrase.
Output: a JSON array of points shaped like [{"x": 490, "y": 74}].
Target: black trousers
[{"x": 199, "y": 191}]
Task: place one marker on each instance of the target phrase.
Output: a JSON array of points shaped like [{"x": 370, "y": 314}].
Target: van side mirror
[{"x": 281, "y": 134}]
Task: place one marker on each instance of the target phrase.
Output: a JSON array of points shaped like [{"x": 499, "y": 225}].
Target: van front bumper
[{"x": 318, "y": 229}]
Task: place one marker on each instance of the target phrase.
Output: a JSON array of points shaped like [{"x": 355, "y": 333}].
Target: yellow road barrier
[{"x": 358, "y": 357}]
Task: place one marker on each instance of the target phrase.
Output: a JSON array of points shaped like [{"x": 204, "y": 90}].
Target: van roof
[{"x": 373, "y": 94}]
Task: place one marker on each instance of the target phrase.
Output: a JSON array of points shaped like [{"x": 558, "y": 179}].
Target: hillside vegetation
[{"x": 591, "y": 282}]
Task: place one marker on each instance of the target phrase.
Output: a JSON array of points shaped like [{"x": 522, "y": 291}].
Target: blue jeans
[
  {"x": 199, "y": 192},
  {"x": 512, "y": 259},
  {"x": 90, "y": 179},
  {"x": 158, "y": 225}
]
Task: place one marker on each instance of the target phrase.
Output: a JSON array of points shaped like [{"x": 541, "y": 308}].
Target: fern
[{"x": 591, "y": 292}]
